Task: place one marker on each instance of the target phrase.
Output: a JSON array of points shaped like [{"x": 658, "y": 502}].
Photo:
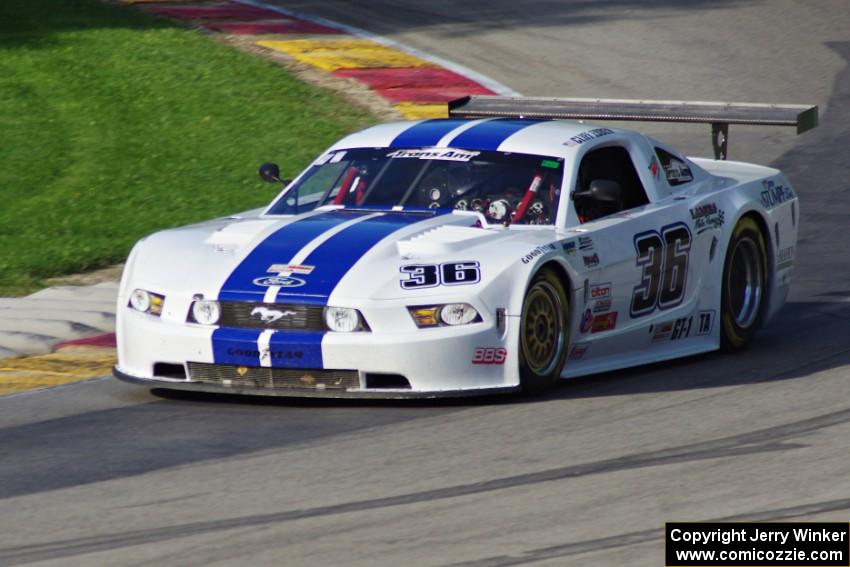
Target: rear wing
[{"x": 719, "y": 114}]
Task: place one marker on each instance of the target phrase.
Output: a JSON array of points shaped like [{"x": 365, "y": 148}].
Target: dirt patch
[
  {"x": 351, "y": 90},
  {"x": 110, "y": 274}
]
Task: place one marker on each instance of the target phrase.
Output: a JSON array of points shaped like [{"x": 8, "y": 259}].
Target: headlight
[
  {"x": 344, "y": 320},
  {"x": 146, "y": 302},
  {"x": 206, "y": 311},
  {"x": 458, "y": 314},
  {"x": 450, "y": 314}
]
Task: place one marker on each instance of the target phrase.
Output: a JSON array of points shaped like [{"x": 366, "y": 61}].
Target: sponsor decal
[
  {"x": 276, "y": 354},
  {"x": 604, "y": 322},
  {"x": 598, "y": 323},
  {"x": 585, "y": 243},
  {"x": 706, "y": 217},
  {"x": 705, "y": 322},
  {"x": 684, "y": 327},
  {"x": 602, "y": 305},
  {"x": 600, "y": 291},
  {"x": 291, "y": 269},
  {"x": 591, "y": 261},
  {"x": 579, "y": 139},
  {"x": 774, "y": 195},
  {"x": 661, "y": 332},
  {"x": 447, "y": 154},
  {"x": 569, "y": 247},
  {"x": 270, "y": 315},
  {"x": 653, "y": 166},
  {"x": 537, "y": 252},
  {"x": 678, "y": 173},
  {"x": 586, "y": 321},
  {"x": 489, "y": 355},
  {"x": 432, "y": 275},
  {"x": 578, "y": 350},
  {"x": 279, "y": 281},
  {"x": 785, "y": 258}
]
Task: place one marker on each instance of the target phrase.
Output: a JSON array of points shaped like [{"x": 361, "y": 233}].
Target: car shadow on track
[{"x": 805, "y": 338}]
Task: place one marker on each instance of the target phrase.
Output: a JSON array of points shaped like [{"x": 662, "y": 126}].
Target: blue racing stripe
[
  {"x": 239, "y": 346},
  {"x": 278, "y": 248},
  {"x": 236, "y": 346},
  {"x": 489, "y": 135},
  {"x": 330, "y": 261},
  {"x": 426, "y": 133},
  {"x": 335, "y": 257},
  {"x": 292, "y": 349}
]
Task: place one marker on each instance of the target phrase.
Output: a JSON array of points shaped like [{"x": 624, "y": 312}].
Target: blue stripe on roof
[
  {"x": 489, "y": 135},
  {"x": 426, "y": 133}
]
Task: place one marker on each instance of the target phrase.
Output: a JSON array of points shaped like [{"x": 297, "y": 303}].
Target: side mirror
[
  {"x": 603, "y": 190},
  {"x": 270, "y": 173}
]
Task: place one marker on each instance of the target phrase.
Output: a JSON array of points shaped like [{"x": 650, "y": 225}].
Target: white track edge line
[{"x": 480, "y": 78}]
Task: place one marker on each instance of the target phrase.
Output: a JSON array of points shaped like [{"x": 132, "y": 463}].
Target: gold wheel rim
[{"x": 542, "y": 329}]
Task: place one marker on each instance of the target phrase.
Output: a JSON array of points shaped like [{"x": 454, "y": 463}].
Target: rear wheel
[
  {"x": 744, "y": 285},
  {"x": 543, "y": 332}
]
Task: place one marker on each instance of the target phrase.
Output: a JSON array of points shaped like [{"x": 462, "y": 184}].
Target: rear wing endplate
[{"x": 719, "y": 114}]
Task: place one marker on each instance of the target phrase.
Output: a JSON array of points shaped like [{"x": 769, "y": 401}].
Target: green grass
[{"x": 114, "y": 124}]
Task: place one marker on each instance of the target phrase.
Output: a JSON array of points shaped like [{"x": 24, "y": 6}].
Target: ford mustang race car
[{"x": 497, "y": 250}]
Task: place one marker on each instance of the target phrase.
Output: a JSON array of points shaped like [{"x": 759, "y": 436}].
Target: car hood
[{"x": 306, "y": 258}]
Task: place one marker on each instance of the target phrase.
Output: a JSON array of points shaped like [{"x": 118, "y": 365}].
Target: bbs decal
[
  {"x": 431, "y": 275},
  {"x": 663, "y": 260}
]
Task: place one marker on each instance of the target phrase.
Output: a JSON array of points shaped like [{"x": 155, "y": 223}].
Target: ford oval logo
[{"x": 279, "y": 281}]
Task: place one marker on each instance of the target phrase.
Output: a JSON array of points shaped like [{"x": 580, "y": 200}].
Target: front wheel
[
  {"x": 744, "y": 285},
  {"x": 544, "y": 332}
]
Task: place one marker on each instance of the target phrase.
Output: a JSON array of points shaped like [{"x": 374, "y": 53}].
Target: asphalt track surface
[{"x": 102, "y": 473}]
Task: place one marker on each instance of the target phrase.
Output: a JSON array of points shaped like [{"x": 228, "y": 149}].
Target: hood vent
[{"x": 443, "y": 240}]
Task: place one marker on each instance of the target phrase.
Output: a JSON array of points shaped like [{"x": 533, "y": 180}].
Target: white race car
[{"x": 471, "y": 255}]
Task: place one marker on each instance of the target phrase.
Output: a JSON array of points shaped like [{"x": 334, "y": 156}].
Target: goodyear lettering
[
  {"x": 277, "y": 354},
  {"x": 537, "y": 252}
]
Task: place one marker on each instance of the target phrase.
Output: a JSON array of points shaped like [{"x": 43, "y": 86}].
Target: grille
[
  {"x": 276, "y": 315},
  {"x": 277, "y": 378}
]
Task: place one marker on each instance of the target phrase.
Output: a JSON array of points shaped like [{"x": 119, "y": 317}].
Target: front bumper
[
  {"x": 184, "y": 385},
  {"x": 434, "y": 362}
]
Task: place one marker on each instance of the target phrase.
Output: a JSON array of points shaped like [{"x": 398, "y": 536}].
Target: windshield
[{"x": 505, "y": 187}]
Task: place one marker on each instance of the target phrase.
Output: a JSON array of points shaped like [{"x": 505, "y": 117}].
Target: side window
[
  {"x": 612, "y": 163},
  {"x": 676, "y": 170},
  {"x": 306, "y": 196}
]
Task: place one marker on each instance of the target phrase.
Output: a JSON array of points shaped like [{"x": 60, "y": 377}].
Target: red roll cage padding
[
  {"x": 346, "y": 186},
  {"x": 529, "y": 195},
  {"x": 360, "y": 191}
]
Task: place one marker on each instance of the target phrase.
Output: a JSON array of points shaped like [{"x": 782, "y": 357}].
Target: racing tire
[
  {"x": 745, "y": 280},
  {"x": 544, "y": 333}
]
